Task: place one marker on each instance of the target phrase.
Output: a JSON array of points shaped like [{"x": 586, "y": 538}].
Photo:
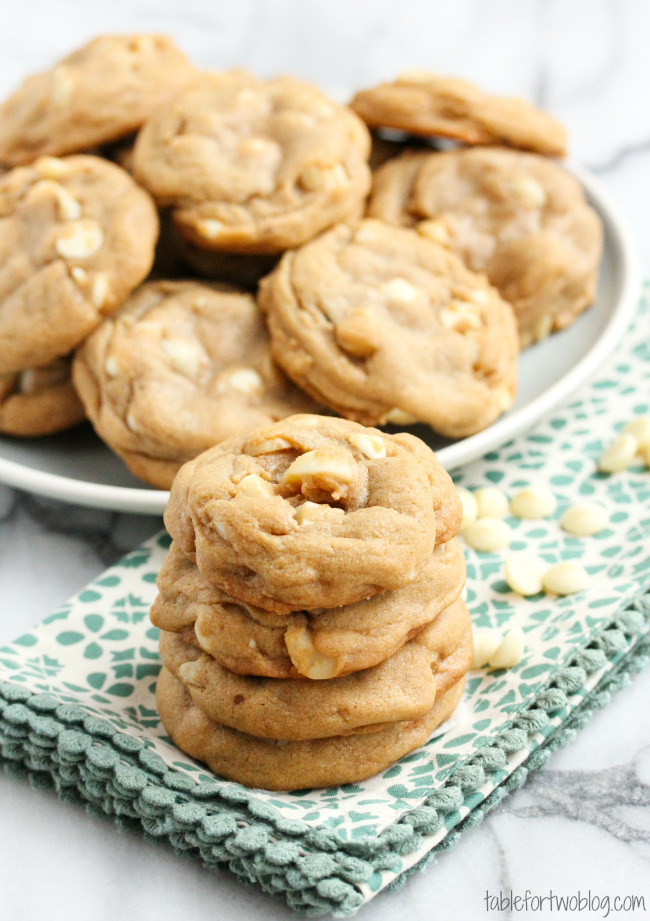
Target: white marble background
[{"x": 584, "y": 821}]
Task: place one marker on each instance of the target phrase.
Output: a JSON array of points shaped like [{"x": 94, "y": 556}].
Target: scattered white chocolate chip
[
  {"x": 400, "y": 417},
  {"x": 585, "y": 519},
  {"x": 565, "y": 578},
  {"x": 306, "y": 658},
  {"x": 80, "y": 239},
  {"x": 619, "y": 455},
  {"x": 435, "y": 230},
  {"x": 186, "y": 357},
  {"x": 111, "y": 366},
  {"x": 311, "y": 513},
  {"x": 268, "y": 446},
  {"x": 399, "y": 290},
  {"x": 371, "y": 446},
  {"x": 320, "y": 461},
  {"x": 187, "y": 673},
  {"x": 245, "y": 380},
  {"x": 523, "y": 572},
  {"x": 487, "y": 534},
  {"x": 78, "y": 274},
  {"x": 639, "y": 428},
  {"x": 486, "y": 643},
  {"x": 528, "y": 192},
  {"x": 510, "y": 651},
  {"x": 491, "y": 502},
  {"x": 210, "y": 228},
  {"x": 533, "y": 502},
  {"x": 255, "y": 487},
  {"x": 99, "y": 291},
  {"x": 470, "y": 506}
]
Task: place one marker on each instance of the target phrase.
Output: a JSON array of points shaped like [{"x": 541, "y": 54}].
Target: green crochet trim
[{"x": 86, "y": 759}]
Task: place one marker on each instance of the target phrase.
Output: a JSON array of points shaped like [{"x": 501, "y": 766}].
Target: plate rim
[{"x": 146, "y": 501}]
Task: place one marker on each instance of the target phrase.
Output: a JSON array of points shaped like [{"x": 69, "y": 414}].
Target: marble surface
[{"x": 582, "y": 823}]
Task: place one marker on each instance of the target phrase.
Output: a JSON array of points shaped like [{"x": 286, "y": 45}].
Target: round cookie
[
  {"x": 383, "y": 325},
  {"x": 76, "y": 236},
  {"x": 402, "y": 688},
  {"x": 317, "y": 645},
  {"x": 281, "y": 765},
  {"x": 254, "y": 166},
  {"x": 312, "y": 512},
  {"x": 101, "y": 92},
  {"x": 180, "y": 367},
  {"x": 39, "y": 401},
  {"x": 426, "y": 104},
  {"x": 519, "y": 218}
]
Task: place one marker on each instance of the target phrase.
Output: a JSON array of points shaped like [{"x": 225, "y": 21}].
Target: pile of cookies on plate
[
  {"x": 312, "y": 629},
  {"x": 186, "y": 255}
]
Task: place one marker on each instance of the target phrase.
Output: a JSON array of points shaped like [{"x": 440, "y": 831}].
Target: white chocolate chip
[
  {"x": 400, "y": 417},
  {"x": 68, "y": 207},
  {"x": 51, "y": 168},
  {"x": 99, "y": 291},
  {"x": 639, "y": 428},
  {"x": 187, "y": 673},
  {"x": 257, "y": 146},
  {"x": 585, "y": 519},
  {"x": 619, "y": 455},
  {"x": 111, "y": 366},
  {"x": 510, "y": 651},
  {"x": 306, "y": 658},
  {"x": 399, "y": 290},
  {"x": 565, "y": 578},
  {"x": 644, "y": 453},
  {"x": 130, "y": 421},
  {"x": 487, "y": 534},
  {"x": 254, "y": 486},
  {"x": 491, "y": 502},
  {"x": 371, "y": 446},
  {"x": 268, "y": 446},
  {"x": 62, "y": 87},
  {"x": 302, "y": 119},
  {"x": 367, "y": 233},
  {"x": 79, "y": 275},
  {"x": 543, "y": 328},
  {"x": 529, "y": 192},
  {"x": 460, "y": 316},
  {"x": 80, "y": 239},
  {"x": 533, "y": 502},
  {"x": 486, "y": 643},
  {"x": 315, "y": 177},
  {"x": 505, "y": 398},
  {"x": 210, "y": 228},
  {"x": 470, "y": 506},
  {"x": 252, "y": 644},
  {"x": 186, "y": 356},
  {"x": 320, "y": 461},
  {"x": 245, "y": 380},
  {"x": 435, "y": 230},
  {"x": 220, "y": 528},
  {"x": 312, "y": 513},
  {"x": 523, "y": 572}
]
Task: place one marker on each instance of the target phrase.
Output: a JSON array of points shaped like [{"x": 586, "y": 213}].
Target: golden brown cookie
[
  {"x": 425, "y": 104},
  {"x": 314, "y": 644},
  {"x": 312, "y": 512},
  {"x": 101, "y": 92},
  {"x": 39, "y": 401},
  {"x": 180, "y": 367},
  {"x": 402, "y": 688},
  {"x": 383, "y": 325},
  {"x": 519, "y": 218},
  {"x": 282, "y": 765},
  {"x": 254, "y": 166},
  {"x": 76, "y": 236}
]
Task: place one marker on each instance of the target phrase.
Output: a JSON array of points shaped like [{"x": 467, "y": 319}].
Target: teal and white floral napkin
[{"x": 77, "y": 706}]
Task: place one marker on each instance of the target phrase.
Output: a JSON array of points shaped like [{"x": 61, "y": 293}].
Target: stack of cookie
[{"x": 312, "y": 626}]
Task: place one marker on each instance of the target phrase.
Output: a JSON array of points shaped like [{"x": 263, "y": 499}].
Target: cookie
[
  {"x": 519, "y": 218},
  {"x": 402, "y": 688},
  {"x": 313, "y": 644},
  {"x": 76, "y": 236},
  {"x": 312, "y": 512},
  {"x": 180, "y": 367},
  {"x": 99, "y": 93},
  {"x": 282, "y": 765},
  {"x": 425, "y": 104},
  {"x": 383, "y": 325},
  {"x": 39, "y": 401},
  {"x": 254, "y": 166}
]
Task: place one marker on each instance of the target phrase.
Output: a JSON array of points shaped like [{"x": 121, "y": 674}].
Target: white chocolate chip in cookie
[
  {"x": 565, "y": 578},
  {"x": 619, "y": 455},
  {"x": 523, "y": 572},
  {"x": 245, "y": 380},
  {"x": 99, "y": 291},
  {"x": 460, "y": 316},
  {"x": 400, "y": 417},
  {"x": 307, "y": 659},
  {"x": 315, "y": 177},
  {"x": 79, "y": 275},
  {"x": 357, "y": 334},
  {"x": 311, "y": 513},
  {"x": 528, "y": 192},
  {"x": 210, "y": 229},
  {"x": 220, "y": 528},
  {"x": 255, "y": 487},
  {"x": 319, "y": 462},
  {"x": 186, "y": 356},
  {"x": 584, "y": 519},
  {"x": 80, "y": 239},
  {"x": 267, "y": 446},
  {"x": 68, "y": 207},
  {"x": 111, "y": 366},
  {"x": 371, "y": 446},
  {"x": 435, "y": 230},
  {"x": 399, "y": 291},
  {"x": 52, "y": 168},
  {"x": 533, "y": 502},
  {"x": 187, "y": 672}
]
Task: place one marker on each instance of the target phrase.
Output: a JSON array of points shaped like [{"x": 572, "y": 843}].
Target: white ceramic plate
[{"x": 77, "y": 467}]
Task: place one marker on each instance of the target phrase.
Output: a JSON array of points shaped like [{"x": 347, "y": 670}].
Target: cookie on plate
[
  {"x": 312, "y": 512},
  {"x": 426, "y": 104},
  {"x": 180, "y": 367},
  {"x": 39, "y": 401},
  {"x": 99, "y": 93},
  {"x": 402, "y": 688},
  {"x": 383, "y": 325},
  {"x": 520, "y": 218},
  {"x": 317, "y": 644},
  {"x": 76, "y": 236},
  {"x": 254, "y": 166}
]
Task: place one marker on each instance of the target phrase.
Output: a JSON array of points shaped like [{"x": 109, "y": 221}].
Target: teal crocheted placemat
[{"x": 77, "y": 709}]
